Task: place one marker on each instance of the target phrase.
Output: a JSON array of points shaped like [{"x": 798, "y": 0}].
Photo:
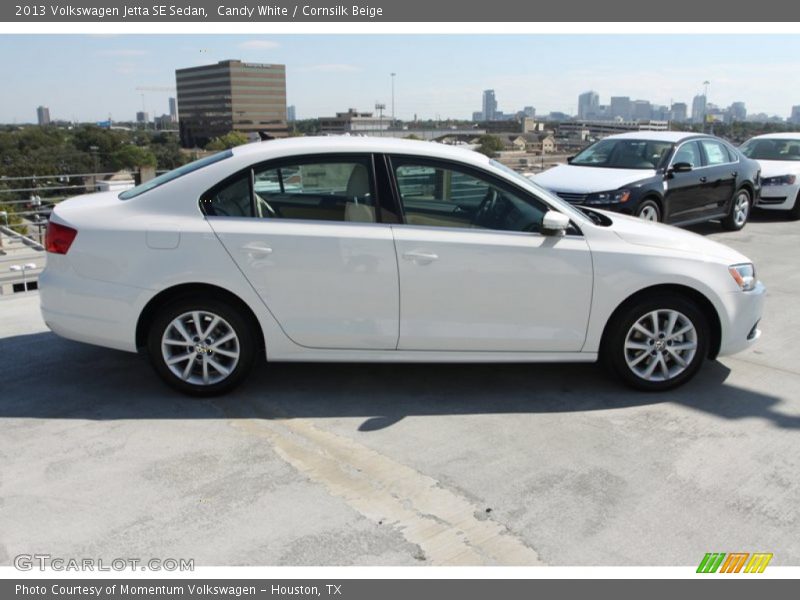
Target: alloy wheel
[
  {"x": 660, "y": 345},
  {"x": 741, "y": 208}
]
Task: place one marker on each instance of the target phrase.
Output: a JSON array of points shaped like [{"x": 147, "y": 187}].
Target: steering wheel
[{"x": 485, "y": 207}]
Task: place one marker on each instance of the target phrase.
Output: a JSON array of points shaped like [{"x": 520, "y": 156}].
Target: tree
[
  {"x": 229, "y": 140},
  {"x": 489, "y": 145},
  {"x": 132, "y": 157}
]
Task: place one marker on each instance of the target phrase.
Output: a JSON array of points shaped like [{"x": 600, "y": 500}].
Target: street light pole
[{"x": 393, "y": 74}]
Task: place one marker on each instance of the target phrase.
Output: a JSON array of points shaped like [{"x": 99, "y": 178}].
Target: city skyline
[{"x": 86, "y": 78}]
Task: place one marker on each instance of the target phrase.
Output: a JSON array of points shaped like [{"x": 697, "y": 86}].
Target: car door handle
[
  {"x": 734, "y": 173},
  {"x": 703, "y": 179},
  {"x": 257, "y": 250},
  {"x": 421, "y": 258}
]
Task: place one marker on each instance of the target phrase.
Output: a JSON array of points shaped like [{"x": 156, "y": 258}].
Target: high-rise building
[
  {"x": 620, "y": 108},
  {"x": 43, "y": 115},
  {"x": 477, "y": 116},
  {"x": 142, "y": 117},
  {"x": 291, "y": 114},
  {"x": 489, "y": 105},
  {"x": 588, "y": 103},
  {"x": 173, "y": 110},
  {"x": 737, "y": 112},
  {"x": 678, "y": 112},
  {"x": 231, "y": 96},
  {"x": 795, "y": 117},
  {"x": 529, "y": 111},
  {"x": 699, "y": 109},
  {"x": 641, "y": 110}
]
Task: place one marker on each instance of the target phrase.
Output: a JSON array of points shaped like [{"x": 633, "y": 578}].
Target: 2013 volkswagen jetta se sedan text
[{"x": 359, "y": 249}]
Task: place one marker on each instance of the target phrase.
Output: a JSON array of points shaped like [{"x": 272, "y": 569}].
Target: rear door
[{"x": 306, "y": 233}]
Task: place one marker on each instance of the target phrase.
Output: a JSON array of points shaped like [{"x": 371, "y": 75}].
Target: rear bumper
[
  {"x": 745, "y": 310},
  {"x": 90, "y": 311}
]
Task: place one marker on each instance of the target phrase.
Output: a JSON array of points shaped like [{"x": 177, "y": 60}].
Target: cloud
[
  {"x": 124, "y": 52},
  {"x": 331, "y": 68},
  {"x": 259, "y": 45}
]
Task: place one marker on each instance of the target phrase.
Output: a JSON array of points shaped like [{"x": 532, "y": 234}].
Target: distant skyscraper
[
  {"x": 699, "y": 108},
  {"x": 641, "y": 110},
  {"x": 588, "y": 103},
  {"x": 291, "y": 114},
  {"x": 43, "y": 115},
  {"x": 795, "y": 118},
  {"x": 489, "y": 105},
  {"x": 679, "y": 112},
  {"x": 737, "y": 111},
  {"x": 529, "y": 112},
  {"x": 173, "y": 110},
  {"x": 142, "y": 117},
  {"x": 477, "y": 116},
  {"x": 620, "y": 107}
]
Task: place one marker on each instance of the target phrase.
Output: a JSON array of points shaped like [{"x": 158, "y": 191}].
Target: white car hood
[
  {"x": 657, "y": 235},
  {"x": 773, "y": 168},
  {"x": 585, "y": 180}
]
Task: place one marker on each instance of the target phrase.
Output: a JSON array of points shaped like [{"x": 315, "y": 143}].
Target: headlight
[
  {"x": 779, "y": 180},
  {"x": 612, "y": 197},
  {"x": 744, "y": 275}
]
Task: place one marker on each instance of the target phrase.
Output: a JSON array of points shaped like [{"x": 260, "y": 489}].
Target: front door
[{"x": 475, "y": 272}]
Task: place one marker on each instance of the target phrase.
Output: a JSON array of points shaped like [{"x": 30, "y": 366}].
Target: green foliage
[
  {"x": 489, "y": 145},
  {"x": 132, "y": 157},
  {"x": 14, "y": 220},
  {"x": 229, "y": 140}
]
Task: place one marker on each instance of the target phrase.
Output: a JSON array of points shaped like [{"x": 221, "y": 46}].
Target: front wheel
[
  {"x": 649, "y": 211},
  {"x": 740, "y": 211},
  {"x": 657, "y": 343},
  {"x": 201, "y": 346}
]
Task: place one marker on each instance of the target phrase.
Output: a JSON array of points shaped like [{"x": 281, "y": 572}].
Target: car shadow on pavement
[{"x": 51, "y": 378}]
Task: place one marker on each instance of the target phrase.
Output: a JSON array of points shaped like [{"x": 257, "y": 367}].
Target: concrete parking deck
[{"x": 406, "y": 465}]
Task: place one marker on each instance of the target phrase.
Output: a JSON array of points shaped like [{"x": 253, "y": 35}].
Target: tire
[
  {"x": 631, "y": 354},
  {"x": 213, "y": 365},
  {"x": 741, "y": 207},
  {"x": 649, "y": 211},
  {"x": 794, "y": 212}
]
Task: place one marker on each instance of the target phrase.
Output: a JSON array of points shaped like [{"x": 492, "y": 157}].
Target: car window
[
  {"x": 174, "y": 174},
  {"x": 716, "y": 154},
  {"x": 623, "y": 154},
  {"x": 688, "y": 153},
  {"x": 232, "y": 199},
  {"x": 439, "y": 196},
  {"x": 320, "y": 191},
  {"x": 324, "y": 190}
]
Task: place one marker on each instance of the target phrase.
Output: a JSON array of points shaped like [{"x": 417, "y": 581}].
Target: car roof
[
  {"x": 342, "y": 143},
  {"x": 657, "y": 136},
  {"x": 789, "y": 135}
]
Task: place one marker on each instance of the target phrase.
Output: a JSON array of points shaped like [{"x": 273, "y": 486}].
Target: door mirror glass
[
  {"x": 681, "y": 167},
  {"x": 554, "y": 222}
]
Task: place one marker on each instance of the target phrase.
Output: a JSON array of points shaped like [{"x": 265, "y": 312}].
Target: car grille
[
  {"x": 572, "y": 198},
  {"x": 773, "y": 200}
]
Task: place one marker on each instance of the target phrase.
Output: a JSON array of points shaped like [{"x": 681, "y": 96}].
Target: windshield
[
  {"x": 624, "y": 154},
  {"x": 174, "y": 174},
  {"x": 565, "y": 207},
  {"x": 772, "y": 149}
]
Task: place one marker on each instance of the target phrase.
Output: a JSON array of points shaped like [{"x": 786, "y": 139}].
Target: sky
[{"x": 89, "y": 77}]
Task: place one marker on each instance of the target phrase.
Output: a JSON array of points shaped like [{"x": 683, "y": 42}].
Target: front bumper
[
  {"x": 778, "y": 197},
  {"x": 744, "y": 310}
]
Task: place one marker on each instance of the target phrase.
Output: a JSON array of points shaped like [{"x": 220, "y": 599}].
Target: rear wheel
[
  {"x": 657, "y": 343},
  {"x": 649, "y": 211},
  {"x": 740, "y": 211},
  {"x": 201, "y": 346}
]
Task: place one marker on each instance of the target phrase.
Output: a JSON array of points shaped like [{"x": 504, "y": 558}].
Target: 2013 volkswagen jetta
[{"x": 358, "y": 249}]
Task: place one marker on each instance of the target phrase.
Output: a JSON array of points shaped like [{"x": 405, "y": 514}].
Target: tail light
[{"x": 59, "y": 238}]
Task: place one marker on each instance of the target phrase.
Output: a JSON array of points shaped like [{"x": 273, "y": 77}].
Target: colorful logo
[{"x": 734, "y": 562}]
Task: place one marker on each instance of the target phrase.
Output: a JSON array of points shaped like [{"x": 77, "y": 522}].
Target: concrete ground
[{"x": 406, "y": 465}]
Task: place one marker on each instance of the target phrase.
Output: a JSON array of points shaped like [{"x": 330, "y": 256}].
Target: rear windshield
[{"x": 174, "y": 174}]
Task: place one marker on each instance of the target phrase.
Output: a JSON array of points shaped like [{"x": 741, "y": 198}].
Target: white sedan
[
  {"x": 359, "y": 249},
  {"x": 779, "y": 156}
]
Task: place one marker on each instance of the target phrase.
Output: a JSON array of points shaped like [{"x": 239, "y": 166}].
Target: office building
[
  {"x": 43, "y": 115},
  {"x": 142, "y": 118},
  {"x": 173, "y": 110},
  {"x": 795, "y": 117},
  {"x": 620, "y": 108},
  {"x": 231, "y": 96},
  {"x": 489, "y": 106},
  {"x": 291, "y": 114},
  {"x": 737, "y": 112},
  {"x": 699, "y": 109},
  {"x": 588, "y": 104},
  {"x": 679, "y": 112},
  {"x": 353, "y": 121}
]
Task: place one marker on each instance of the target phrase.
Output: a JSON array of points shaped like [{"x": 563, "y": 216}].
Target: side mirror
[
  {"x": 554, "y": 223},
  {"x": 681, "y": 167},
  {"x": 570, "y": 159}
]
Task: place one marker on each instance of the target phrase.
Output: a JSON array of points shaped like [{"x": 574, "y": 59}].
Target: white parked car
[
  {"x": 359, "y": 249},
  {"x": 779, "y": 156}
]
